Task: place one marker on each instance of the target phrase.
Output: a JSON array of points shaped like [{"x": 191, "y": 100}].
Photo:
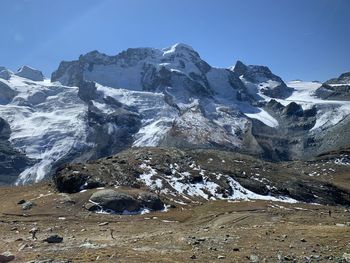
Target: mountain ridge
[{"x": 166, "y": 97}]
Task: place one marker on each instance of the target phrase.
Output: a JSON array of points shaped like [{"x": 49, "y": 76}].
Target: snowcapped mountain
[{"x": 99, "y": 105}]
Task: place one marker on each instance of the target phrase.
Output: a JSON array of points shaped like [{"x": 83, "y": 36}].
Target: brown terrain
[{"x": 194, "y": 231}]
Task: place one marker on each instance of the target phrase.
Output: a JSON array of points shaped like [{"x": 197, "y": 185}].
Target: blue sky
[{"x": 306, "y": 39}]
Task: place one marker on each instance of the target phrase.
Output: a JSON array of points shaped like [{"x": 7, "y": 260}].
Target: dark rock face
[
  {"x": 12, "y": 162},
  {"x": 116, "y": 201},
  {"x": 240, "y": 69},
  {"x": 335, "y": 89},
  {"x": 260, "y": 74},
  {"x": 30, "y": 73},
  {"x": 6, "y": 257},
  {"x": 87, "y": 90},
  {"x": 288, "y": 141},
  {"x": 112, "y": 132},
  {"x": 6, "y": 93},
  {"x": 70, "y": 183},
  {"x": 5, "y": 73},
  {"x": 342, "y": 79},
  {"x": 151, "y": 201},
  {"x": 293, "y": 109},
  {"x": 339, "y": 92}
]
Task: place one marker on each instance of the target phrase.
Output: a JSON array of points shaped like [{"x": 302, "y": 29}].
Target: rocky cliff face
[
  {"x": 336, "y": 89},
  {"x": 12, "y": 162},
  {"x": 260, "y": 79}
]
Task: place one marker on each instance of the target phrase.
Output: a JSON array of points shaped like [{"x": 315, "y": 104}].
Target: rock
[
  {"x": 5, "y": 74},
  {"x": 340, "y": 225},
  {"x": 50, "y": 261},
  {"x": 103, "y": 224},
  {"x": 6, "y": 257},
  {"x": 27, "y": 205},
  {"x": 151, "y": 201},
  {"x": 92, "y": 207},
  {"x": 293, "y": 109},
  {"x": 30, "y": 73},
  {"x": 346, "y": 257},
  {"x": 193, "y": 257},
  {"x": 254, "y": 258},
  {"x": 69, "y": 181},
  {"x": 24, "y": 246},
  {"x": 6, "y": 94},
  {"x": 20, "y": 202},
  {"x": 221, "y": 257},
  {"x": 116, "y": 201},
  {"x": 240, "y": 68},
  {"x": 303, "y": 240},
  {"x": 66, "y": 199},
  {"x": 53, "y": 239},
  {"x": 87, "y": 90}
]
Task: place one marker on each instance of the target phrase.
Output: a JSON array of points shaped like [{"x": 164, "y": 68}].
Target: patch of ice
[{"x": 264, "y": 117}]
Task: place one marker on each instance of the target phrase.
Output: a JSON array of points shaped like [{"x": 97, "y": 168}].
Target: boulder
[
  {"x": 30, "y": 73},
  {"x": 151, "y": 201},
  {"x": 116, "y": 201},
  {"x": 6, "y": 257},
  {"x": 69, "y": 181},
  {"x": 27, "y": 205},
  {"x": 92, "y": 207},
  {"x": 346, "y": 257},
  {"x": 53, "y": 239}
]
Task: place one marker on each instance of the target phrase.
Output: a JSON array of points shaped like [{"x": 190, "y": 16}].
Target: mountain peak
[
  {"x": 240, "y": 68},
  {"x": 30, "y": 73},
  {"x": 178, "y": 47}
]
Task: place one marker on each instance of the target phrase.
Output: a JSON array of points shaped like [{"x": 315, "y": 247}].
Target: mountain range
[{"x": 100, "y": 105}]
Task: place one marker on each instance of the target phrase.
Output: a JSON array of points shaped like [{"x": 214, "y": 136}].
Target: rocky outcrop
[
  {"x": 289, "y": 140},
  {"x": 30, "y": 73},
  {"x": 115, "y": 201},
  {"x": 12, "y": 162},
  {"x": 334, "y": 92},
  {"x": 5, "y": 73},
  {"x": 121, "y": 202},
  {"x": 335, "y": 89},
  {"x": 268, "y": 83},
  {"x": 6, "y": 93},
  {"x": 342, "y": 79},
  {"x": 198, "y": 175}
]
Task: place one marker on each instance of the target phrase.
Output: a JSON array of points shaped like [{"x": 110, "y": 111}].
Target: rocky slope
[
  {"x": 100, "y": 105},
  {"x": 181, "y": 177}
]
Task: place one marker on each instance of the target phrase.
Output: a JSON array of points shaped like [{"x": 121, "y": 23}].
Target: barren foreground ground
[{"x": 216, "y": 231}]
